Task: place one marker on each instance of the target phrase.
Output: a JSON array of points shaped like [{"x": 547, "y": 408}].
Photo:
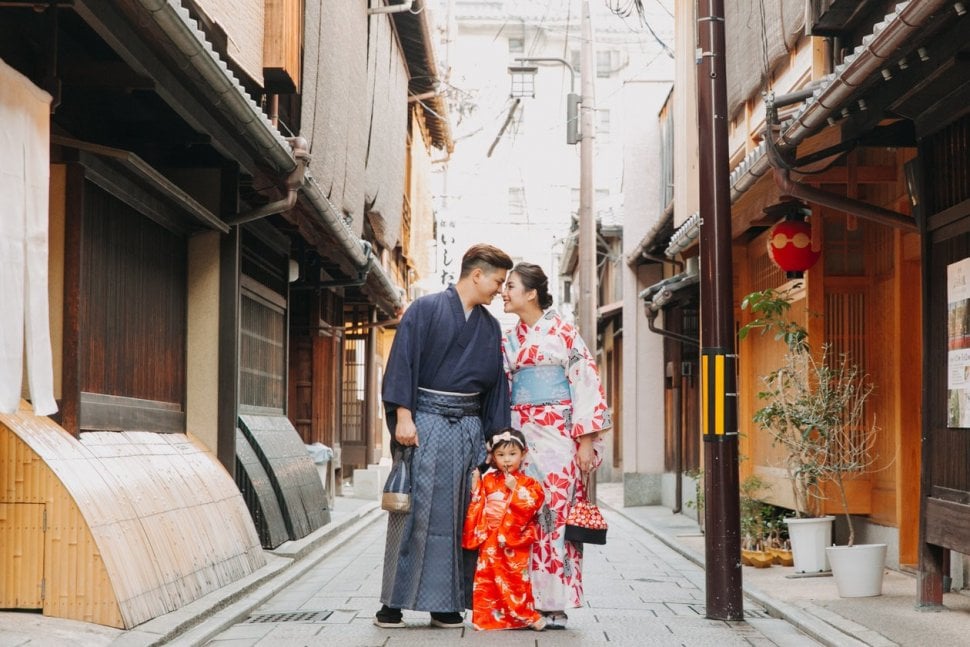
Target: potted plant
[
  {"x": 815, "y": 408},
  {"x": 857, "y": 568},
  {"x": 789, "y": 415},
  {"x": 697, "y": 503},
  {"x": 755, "y": 539},
  {"x": 831, "y": 397}
]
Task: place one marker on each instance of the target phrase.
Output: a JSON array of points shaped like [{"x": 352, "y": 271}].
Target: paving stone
[{"x": 639, "y": 593}]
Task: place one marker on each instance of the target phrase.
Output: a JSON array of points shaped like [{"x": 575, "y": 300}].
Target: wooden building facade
[
  {"x": 218, "y": 217},
  {"x": 858, "y": 113}
]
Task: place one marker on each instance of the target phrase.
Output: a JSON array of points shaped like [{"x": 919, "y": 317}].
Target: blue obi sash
[{"x": 538, "y": 385}]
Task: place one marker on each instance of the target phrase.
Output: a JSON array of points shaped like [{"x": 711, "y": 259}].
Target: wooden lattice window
[
  {"x": 764, "y": 273},
  {"x": 845, "y": 325},
  {"x": 354, "y": 391},
  {"x": 844, "y": 254},
  {"x": 262, "y": 358}
]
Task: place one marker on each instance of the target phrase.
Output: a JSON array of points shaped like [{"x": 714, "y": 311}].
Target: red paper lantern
[{"x": 790, "y": 246}]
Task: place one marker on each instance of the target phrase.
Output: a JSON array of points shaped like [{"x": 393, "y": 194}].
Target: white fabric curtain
[{"x": 24, "y": 180}]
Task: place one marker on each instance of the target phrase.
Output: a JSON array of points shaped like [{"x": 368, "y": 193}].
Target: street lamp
[
  {"x": 523, "y": 81},
  {"x": 523, "y": 85}
]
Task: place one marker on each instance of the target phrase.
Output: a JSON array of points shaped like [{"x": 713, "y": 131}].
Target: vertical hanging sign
[{"x": 958, "y": 343}]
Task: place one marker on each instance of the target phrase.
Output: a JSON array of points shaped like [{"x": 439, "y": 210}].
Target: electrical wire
[
  {"x": 765, "y": 63},
  {"x": 626, "y": 8}
]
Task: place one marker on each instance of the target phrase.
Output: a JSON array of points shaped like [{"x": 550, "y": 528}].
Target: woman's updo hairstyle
[{"x": 533, "y": 278}]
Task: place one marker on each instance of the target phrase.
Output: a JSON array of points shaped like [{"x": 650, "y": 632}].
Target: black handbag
[
  {"x": 397, "y": 489},
  {"x": 585, "y": 523}
]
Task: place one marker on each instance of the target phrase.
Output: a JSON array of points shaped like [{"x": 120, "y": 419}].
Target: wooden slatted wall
[{"x": 59, "y": 571}]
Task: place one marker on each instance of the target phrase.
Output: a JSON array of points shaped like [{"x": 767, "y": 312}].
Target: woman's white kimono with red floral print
[{"x": 556, "y": 398}]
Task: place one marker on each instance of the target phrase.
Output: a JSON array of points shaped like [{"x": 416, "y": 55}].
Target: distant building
[{"x": 515, "y": 181}]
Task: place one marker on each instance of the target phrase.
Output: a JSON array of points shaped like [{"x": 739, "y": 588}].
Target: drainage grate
[
  {"x": 747, "y": 612},
  {"x": 291, "y": 616}
]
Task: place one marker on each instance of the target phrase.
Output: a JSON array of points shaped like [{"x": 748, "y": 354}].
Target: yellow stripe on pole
[
  {"x": 713, "y": 393},
  {"x": 719, "y": 395}
]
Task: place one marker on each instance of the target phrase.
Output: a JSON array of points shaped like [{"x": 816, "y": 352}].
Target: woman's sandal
[{"x": 556, "y": 619}]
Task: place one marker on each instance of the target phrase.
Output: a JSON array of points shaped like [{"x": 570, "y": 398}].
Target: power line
[{"x": 626, "y": 8}]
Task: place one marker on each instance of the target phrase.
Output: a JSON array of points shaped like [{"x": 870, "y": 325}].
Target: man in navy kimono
[{"x": 444, "y": 391}]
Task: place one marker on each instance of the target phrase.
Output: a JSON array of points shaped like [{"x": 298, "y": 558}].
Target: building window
[
  {"x": 516, "y": 45},
  {"x": 354, "y": 392},
  {"x": 604, "y": 64},
  {"x": 262, "y": 356},
  {"x": 567, "y": 291}
]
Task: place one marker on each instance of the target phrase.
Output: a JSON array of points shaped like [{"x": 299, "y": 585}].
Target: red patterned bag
[{"x": 585, "y": 523}]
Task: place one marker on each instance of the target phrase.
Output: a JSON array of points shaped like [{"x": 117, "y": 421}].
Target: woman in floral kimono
[
  {"x": 501, "y": 524},
  {"x": 558, "y": 403}
]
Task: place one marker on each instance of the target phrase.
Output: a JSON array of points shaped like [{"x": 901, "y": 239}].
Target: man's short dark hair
[{"x": 486, "y": 258}]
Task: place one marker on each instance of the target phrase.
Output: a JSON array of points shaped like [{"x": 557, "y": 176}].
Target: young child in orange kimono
[{"x": 501, "y": 525}]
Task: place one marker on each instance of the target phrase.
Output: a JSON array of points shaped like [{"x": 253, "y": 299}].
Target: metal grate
[
  {"x": 290, "y": 616},
  {"x": 747, "y": 612}
]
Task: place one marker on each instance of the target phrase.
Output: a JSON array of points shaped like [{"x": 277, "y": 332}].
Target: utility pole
[
  {"x": 587, "y": 217},
  {"x": 719, "y": 414}
]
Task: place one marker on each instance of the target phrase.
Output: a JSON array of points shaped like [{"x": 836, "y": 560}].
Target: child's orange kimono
[{"x": 501, "y": 524}]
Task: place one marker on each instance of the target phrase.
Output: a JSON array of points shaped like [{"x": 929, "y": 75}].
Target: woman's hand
[
  {"x": 585, "y": 456},
  {"x": 405, "y": 432},
  {"x": 476, "y": 478}
]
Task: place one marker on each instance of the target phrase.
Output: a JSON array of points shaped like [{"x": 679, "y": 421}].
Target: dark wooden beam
[
  {"x": 953, "y": 106},
  {"x": 134, "y": 182},
  {"x": 841, "y": 16},
  {"x": 863, "y": 175},
  {"x": 114, "y": 75},
  {"x": 70, "y": 404}
]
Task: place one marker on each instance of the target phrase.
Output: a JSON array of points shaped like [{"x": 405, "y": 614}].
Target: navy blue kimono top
[{"x": 436, "y": 348}]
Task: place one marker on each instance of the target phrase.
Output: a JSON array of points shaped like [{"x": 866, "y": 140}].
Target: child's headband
[{"x": 505, "y": 436}]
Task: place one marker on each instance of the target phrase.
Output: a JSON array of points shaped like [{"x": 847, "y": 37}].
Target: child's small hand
[{"x": 510, "y": 481}]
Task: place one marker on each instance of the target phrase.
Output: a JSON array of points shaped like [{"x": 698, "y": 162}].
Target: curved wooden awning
[{"x": 138, "y": 524}]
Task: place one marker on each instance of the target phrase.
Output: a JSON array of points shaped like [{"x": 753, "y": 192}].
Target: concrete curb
[
  {"x": 815, "y": 627},
  {"x": 198, "y": 622}
]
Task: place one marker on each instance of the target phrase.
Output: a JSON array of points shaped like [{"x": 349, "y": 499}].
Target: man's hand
[{"x": 405, "y": 432}]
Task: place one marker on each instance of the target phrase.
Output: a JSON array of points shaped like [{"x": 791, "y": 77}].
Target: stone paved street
[{"x": 639, "y": 592}]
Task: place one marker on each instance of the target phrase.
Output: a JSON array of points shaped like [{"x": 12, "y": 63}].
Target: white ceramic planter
[
  {"x": 858, "y": 569},
  {"x": 809, "y": 539}
]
